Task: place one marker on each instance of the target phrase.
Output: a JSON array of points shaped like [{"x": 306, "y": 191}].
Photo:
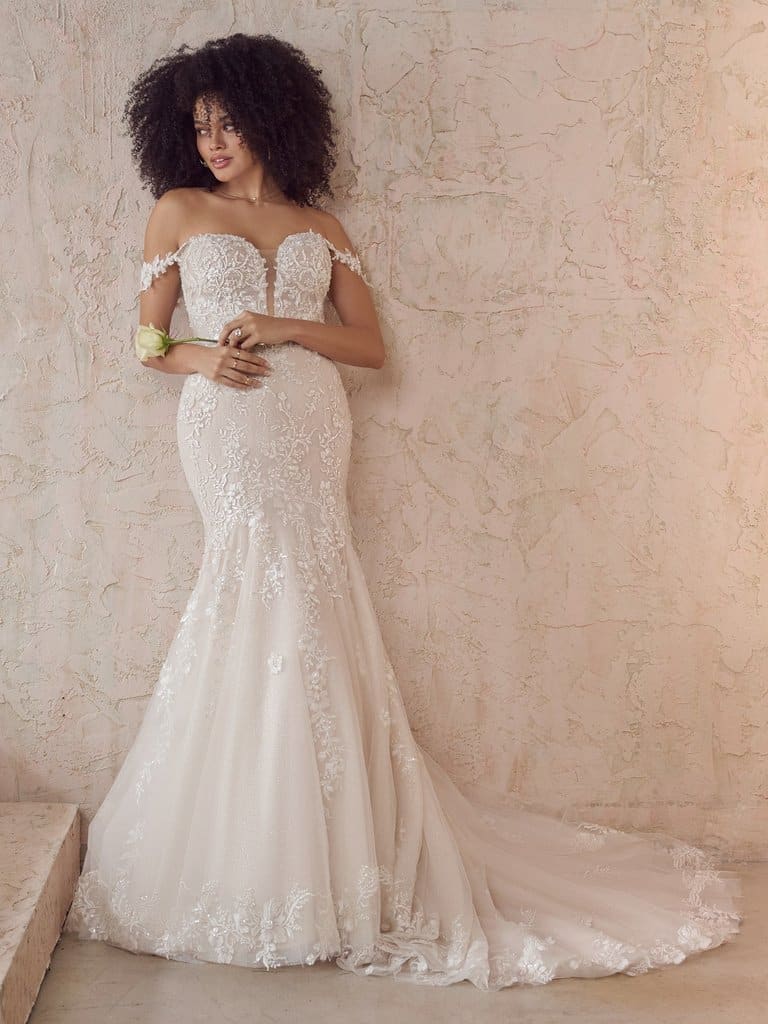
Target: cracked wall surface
[{"x": 558, "y": 481}]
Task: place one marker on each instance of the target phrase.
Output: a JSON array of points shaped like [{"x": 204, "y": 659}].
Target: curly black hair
[{"x": 276, "y": 99}]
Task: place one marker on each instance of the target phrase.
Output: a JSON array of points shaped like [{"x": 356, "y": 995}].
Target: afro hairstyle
[{"x": 277, "y": 100}]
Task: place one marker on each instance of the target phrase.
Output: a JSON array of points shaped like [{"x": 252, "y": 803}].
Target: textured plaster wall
[{"x": 559, "y": 479}]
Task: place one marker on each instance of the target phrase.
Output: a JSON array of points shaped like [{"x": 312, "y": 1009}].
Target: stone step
[{"x": 39, "y": 866}]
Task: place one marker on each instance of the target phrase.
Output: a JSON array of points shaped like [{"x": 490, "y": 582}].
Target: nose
[{"x": 214, "y": 139}]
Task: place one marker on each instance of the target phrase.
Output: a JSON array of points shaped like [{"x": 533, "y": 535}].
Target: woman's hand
[
  {"x": 231, "y": 366},
  {"x": 250, "y": 329}
]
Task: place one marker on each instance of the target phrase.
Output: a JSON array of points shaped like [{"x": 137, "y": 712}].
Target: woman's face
[{"x": 218, "y": 143}]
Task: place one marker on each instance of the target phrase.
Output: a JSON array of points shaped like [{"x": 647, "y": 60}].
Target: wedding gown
[{"x": 275, "y": 808}]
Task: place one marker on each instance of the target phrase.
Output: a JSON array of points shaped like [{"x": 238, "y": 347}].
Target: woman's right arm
[{"x": 158, "y": 301}]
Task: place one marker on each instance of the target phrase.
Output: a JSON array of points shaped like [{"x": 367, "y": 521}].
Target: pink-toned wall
[{"x": 559, "y": 479}]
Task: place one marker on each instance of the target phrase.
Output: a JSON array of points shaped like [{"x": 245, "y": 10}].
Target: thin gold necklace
[{"x": 251, "y": 199}]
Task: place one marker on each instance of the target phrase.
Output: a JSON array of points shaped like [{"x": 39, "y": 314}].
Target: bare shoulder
[
  {"x": 333, "y": 229},
  {"x": 169, "y": 214},
  {"x": 180, "y": 201}
]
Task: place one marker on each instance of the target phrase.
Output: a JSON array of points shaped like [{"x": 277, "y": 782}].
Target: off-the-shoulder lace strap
[
  {"x": 157, "y": 266},
  {"x": 351, "y": 259}
]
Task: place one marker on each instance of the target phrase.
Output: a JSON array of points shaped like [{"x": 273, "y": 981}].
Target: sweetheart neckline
[{"x": 230, "y": 234}]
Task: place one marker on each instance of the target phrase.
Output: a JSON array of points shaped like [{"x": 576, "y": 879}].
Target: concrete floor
[{"x": 92, "y": 983}]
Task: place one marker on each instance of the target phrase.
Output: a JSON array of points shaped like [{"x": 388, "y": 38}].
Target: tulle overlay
[{"x": 275, "y": 808}]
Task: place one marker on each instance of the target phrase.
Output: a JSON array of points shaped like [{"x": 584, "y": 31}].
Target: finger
[
  {"x": 242, "y": 380},
  {"x": 240, "y": 365},
  {"x": 232, "y": 382},
  {"x": 224, "y": 333},
  {"x": 227, "y": 329},
  {"x": 241, "y": 374},
  {"x": 253, "y": 359},
  {"x": 255, "y": 369},
  {"x": 222, "y": 378}
]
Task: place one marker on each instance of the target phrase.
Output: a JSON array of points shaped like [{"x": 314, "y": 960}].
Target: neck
[{"x": 253, "y": 184}]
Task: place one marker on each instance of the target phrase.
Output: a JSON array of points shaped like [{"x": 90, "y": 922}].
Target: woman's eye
[{"x": 227, "y": 127}]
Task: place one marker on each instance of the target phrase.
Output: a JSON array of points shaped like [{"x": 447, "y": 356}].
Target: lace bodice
[{"x": 224, "y": 274}]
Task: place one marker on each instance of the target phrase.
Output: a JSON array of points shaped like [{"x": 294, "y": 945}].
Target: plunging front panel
[{"x": 270, "y": 277}]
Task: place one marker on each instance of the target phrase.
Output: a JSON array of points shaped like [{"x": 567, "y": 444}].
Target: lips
[{"x": 220, "y": 161}]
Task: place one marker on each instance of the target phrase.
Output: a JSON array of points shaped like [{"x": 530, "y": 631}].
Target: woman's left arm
[{"x": 358, "y": 341}]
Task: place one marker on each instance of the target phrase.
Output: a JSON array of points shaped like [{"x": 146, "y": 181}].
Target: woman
[{"x": 275, "y": 808}]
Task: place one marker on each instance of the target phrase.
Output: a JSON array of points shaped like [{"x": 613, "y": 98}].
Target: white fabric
[{"x": 275, "y": 808}]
